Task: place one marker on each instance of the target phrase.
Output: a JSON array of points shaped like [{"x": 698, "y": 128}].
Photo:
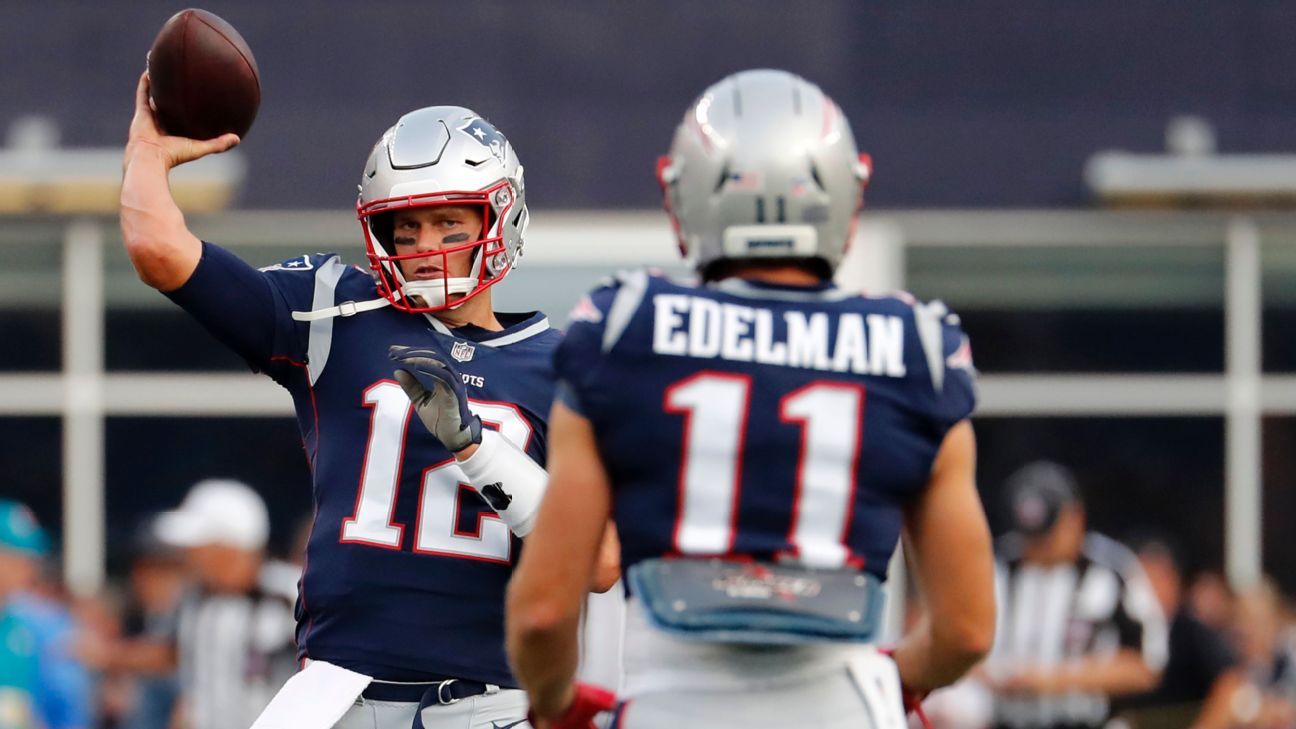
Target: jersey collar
[
  {"x": 517, "y": 327},
  {"x": 753, "y": 289}
]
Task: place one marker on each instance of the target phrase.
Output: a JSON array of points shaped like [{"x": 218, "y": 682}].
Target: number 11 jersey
[{"x": 764, "y": 421}]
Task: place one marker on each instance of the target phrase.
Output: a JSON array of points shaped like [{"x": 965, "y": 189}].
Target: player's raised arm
[
  {"x": 159, "y": 244},
  {"x": 949, "y": 544}
]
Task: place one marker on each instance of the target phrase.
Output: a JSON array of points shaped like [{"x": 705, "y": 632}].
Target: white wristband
[{"x": 508, "y": 479}]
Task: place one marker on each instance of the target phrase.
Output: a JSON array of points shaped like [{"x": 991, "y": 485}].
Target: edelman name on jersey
[{"x": 693, "y": 326}]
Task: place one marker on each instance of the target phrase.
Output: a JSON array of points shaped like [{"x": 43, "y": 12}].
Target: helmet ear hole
[{"x": 383, "y": 226}]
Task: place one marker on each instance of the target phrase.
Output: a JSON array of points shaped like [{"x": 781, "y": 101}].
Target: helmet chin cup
[{"x": 435, "y": 293}]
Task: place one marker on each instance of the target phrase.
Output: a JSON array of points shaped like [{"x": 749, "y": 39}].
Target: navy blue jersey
[
  {"x": 406, "y": 565},
  {"x": 768, "y": 421}
]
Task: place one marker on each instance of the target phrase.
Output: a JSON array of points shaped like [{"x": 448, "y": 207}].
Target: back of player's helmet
[
  {"x": 763, "y": 166},
  {"x": 442, "y": 155}
]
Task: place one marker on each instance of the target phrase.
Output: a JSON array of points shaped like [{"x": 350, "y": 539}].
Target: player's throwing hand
[
  {"x": 146, "y": 134},
  {"x": 438, "y": 395}
]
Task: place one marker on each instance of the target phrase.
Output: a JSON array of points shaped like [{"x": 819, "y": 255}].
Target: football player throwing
[{"x": 400, "y": 615}]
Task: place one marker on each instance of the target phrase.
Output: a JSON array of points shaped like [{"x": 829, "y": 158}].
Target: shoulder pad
[
  {"x": 929, "y": 320},
  {"x": 626, "y": 276},
  {"x": 612, "y": 304},
  {"x": 586, "y": 310},
  {"x": 897, "y": 303},
  {"x": 306, "y": 262},
  {"x": 903, "y": 297},
  {"x": 630, "y": 293}
]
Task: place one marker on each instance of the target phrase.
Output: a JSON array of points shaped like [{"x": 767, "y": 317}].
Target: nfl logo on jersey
[{"x": 462, "y": 351}]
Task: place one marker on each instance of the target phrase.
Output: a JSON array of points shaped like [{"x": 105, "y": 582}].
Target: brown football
[{"x": 203, "y": 80}]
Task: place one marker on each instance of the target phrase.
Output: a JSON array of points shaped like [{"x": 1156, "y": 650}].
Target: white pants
[
  {"x": 508, "y": 708},
  {"x": 825, "y": 702}
]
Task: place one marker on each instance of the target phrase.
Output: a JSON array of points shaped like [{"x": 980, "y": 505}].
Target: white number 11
[{"x": 715, "y": 406}]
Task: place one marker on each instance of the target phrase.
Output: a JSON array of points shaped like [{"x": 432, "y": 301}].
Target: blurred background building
[{"x": 1103, "y": 190}]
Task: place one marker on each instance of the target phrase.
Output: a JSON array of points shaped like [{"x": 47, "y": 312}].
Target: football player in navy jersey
[
  {"x": 785, "y": 430},
  {"x": 400, "y": 612}
]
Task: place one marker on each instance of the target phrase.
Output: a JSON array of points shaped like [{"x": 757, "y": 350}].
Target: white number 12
[{"x": 442, "y": 484}]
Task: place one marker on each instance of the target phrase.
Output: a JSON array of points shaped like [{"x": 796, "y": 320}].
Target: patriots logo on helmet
[{"x": 487, "y": 136}]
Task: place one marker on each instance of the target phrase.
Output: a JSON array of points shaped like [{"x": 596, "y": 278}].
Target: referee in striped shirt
[
  {"x": 234, "y": 629},
  {"x": 1078, "y": 621}
]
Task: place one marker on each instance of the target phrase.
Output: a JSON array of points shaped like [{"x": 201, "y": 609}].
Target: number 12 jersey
[{"x": 406, "y": 565}]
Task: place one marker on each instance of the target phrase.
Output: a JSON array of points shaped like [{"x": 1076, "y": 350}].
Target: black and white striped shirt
[
  {"x": 1048, "y": 615},
  {"x": 236, "y": 650}
]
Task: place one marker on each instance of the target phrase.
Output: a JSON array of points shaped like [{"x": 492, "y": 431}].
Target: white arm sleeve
[{"x": 508, "y": 479}]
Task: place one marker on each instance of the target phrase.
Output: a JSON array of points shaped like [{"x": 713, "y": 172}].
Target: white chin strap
[{"x": 434, "y": 292}]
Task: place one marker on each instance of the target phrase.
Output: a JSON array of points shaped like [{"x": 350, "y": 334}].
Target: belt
[{"x": 429, "y": 693}]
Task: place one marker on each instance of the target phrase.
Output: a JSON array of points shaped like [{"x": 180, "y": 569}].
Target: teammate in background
[
  {"x": 763, "y": 415},
  {"x": 401, "y": 609},
  {"x": 1079, "y": 622}
]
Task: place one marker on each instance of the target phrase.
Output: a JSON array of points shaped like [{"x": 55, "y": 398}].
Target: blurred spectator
[
  {"x": 1269, "y": 699},
  {"x": 244, "y": 601},
  {"x": 157, "y": 579},
  {"x": 1202, "y": 676},
  {"x": 1078, "y": 622},
  {"x": 232, "y": 637},
  {"x": 41, "y": 686},
  {"x": 101, "y": 615},
  {"x": 1210, "y": 600}
]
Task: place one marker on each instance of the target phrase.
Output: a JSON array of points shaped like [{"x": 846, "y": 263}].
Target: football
[{"x": 203, "y": 80}]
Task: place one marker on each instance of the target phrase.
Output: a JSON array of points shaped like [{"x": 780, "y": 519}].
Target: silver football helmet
[
  {"x": 442, "y": 155},
  {"x": 763, "y": 166}
]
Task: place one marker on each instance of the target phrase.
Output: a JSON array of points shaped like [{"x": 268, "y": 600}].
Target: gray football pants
[
  {"x": 508, "y": 708},
  {"x": 826, "y": 702}
]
